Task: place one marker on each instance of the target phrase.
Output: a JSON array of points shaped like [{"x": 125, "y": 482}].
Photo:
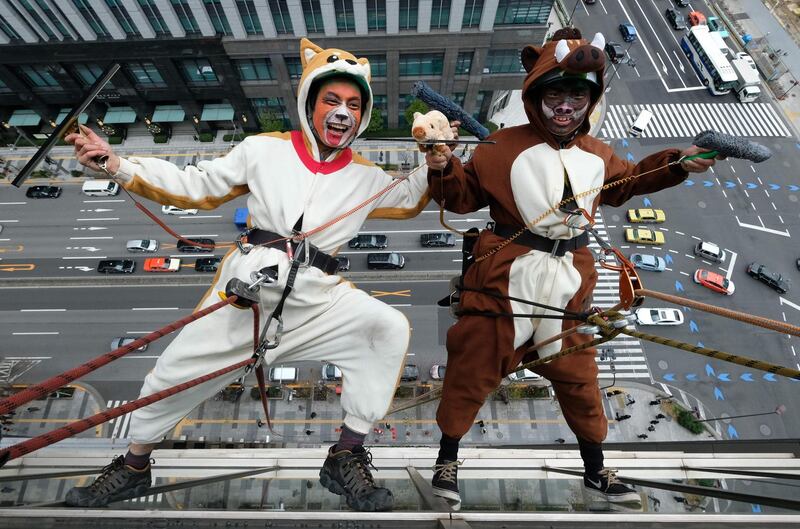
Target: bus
[{"x": 708, "y": 60}]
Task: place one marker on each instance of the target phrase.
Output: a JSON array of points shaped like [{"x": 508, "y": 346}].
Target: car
[
  {"x": 200, "y": 246},
  {"x": 385, "y": 261},
  {"x": 696, "y": 18},
  {"x": 681, "y": 3},
  {"x": 523, "y": 374},
  {"x": 175, "y": 210},
  {"x": 772, "y": 279},
  {"x": 43, "y": 192},
  {"x": 644, "y": 236},
  {"x": 1, "y": 228},
  {"x": 675, "y": 18},
  {"x": 116, "y": 266},
  {"x": 122, "y": 341},
  {"x": 710, "y": 251},
  {"x": 410, "y": 373},
  {"x": 589, "y": 2},
  {"x": 646, "y": 215},
  {"x": 437, "y": 371},
  {"x": 649, "y": 262},
  {"x": 368, "y": 241},
  {"x": 142, "y": 245},
  {"x": 615, "y": 52},
  {"x": 628, "y": 32},
  {"x": 344, "y": 264},
  {"x": 162, "y": 264},
  {"x": 437, "y": 240},
  {"x": 797, "y": 263},
  {"x": 658, "y": 316},
  {"x": 331, "y": 373},
  {"x": 715, "y": 24},
  {"x": 714, "y": 281},
  {"x": 207, "y": 264}
]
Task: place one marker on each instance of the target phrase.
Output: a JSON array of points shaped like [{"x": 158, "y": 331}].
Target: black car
[
  {"x": 344, "y": 264},
  {"x": 681, "y": 3},
  {"x": 675, "y": 18},
  {"x": 207, "y": 246},
  {"x": 431, "y": 240},
  {"x": 385, "y": 261},
  {"x": 369, "y": 241},
  {"x": 43, "y": 192},
  {"x": 772, "y": 279},
  {"x": 116, "y": 266},
  {"x": 410, "y": 373},
  {"x": 615, "y": 52},
  {"x": 207, "y": 264}
]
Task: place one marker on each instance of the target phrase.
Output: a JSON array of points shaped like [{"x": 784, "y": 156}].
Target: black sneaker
[
  {"x": 445, "y": 482},
  {"x": 116, "y": 482},
  {"x": 606, "y": 484},
  {"x": 347, "y": 474}
]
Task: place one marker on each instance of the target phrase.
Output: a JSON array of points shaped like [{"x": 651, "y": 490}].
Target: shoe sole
[
  {"x": 356, "y": 504},
  {"x": 139, "y": 490},
  {"x": 453, "y": 499},
  {"x": 628, "y": 497}
]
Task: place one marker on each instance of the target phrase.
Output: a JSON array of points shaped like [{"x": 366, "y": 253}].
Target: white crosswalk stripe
[
  {"x": 676, "y": 120},
  {"x": 120, "y": 425},
  {"x": 629, "y": 358}
]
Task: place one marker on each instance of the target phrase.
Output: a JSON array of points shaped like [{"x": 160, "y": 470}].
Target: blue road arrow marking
[
  {"x": 670, "y": 377},
  {"x": 689, "y": 183},
  {"x": 732, "y": 433},
  {"x": 646, "y": 202},
  {"x": 678, "y": 286},
  {"x": 770, "y": 377},
  {"x": 747, "y": 377},
  {"x": 774, "y": 186},
  {"x": 707, "y": 183},
  {"x": 624, "y": 142},
  {"x": 751, "y": 185},
  {"x": 668, "y": 259},
  {"x": 700, "y": 344},
  {"x": 691, "y": 376},
  {"x": 693, "y": 326},
  {"x": 629, "y": 156},
  {"x": 725, "y": 377},
  {"x": 718, "y": 395},
  {"x": 729, "y": 184},
  {"x": 756, "y": 507},
  {"x": 793, "y": 187},
  {"x": 710, "y": 370}
]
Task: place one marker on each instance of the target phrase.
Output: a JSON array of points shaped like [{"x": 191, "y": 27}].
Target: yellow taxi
[
  {"x": 648, "y": 215},
  {"x": 644, "y": 236}
]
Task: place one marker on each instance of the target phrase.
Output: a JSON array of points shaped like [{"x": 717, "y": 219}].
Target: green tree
[
  {"x": 270, "y": 121},
  {"x": 375, "y": 121},
  {"x": 415, "y": 106}
]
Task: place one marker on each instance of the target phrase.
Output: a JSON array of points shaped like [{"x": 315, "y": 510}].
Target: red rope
[{"x": 43, "y": 389}]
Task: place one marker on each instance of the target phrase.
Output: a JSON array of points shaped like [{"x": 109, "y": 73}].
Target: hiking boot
[
  {"x": 606, "y": 484},
  {"x": 347, "y": 474},
  {"x": 445, "y": 482},
  {"x": 116, "y": 482}
]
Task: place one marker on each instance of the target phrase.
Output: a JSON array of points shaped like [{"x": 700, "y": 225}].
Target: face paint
[
  {"x": 564, "y": 107},
  {"x": 337, "y": 114},
  {"x": 338, "y": 127}
]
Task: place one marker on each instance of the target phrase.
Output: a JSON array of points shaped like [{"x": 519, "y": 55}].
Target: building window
[
  {"x": 294, "y": 66},
  {"x": 186, "y": 17},
  {"x": 218, "y": 18},
  {"x": 464, "y": 62},
  {"x": 523, "y": 11},
  {"x": 503, "y": 61},
  {"x": 4, "y": 87},
  {"x": 10, "y": 32},
  {"x": 154, "y": 17},
  {"x": 377, "y": 65},
  {"x": 403, "y": 101},
  {"x": 280, "y": 16},
  {"x": 345, "y": 20},
  {"x": 376, "y": 15},
  {"x": 313, "y": 16},
  {"x": 379, "y": 102},
  {"x": 421, "y": 64},
  {"x": 479, "y": 103},
  {"x": 472, "y": 14},
  {"x": 408, "y": 14},
  {"x": 91, "y": 18},
  {"x": 249, "y": 17},
  {"x": 145, "y": 74},
  {"x": 254, "y": 69},
  {"x": 458, "y": 98},
  {"x": 33, "y": 14},
  {"x": 53, "y": 19},
  {"x": 199, "y": 72},
  {"x": 41, "y": 75},
  {"x": 268, "y": 108},
  {"x": 123, "y": 18},
  {"x": 440, "y": 14},
  {"x": 89, "y": 73}
]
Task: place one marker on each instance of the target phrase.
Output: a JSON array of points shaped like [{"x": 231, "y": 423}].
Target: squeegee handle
[{"x": 705, "y": 155}]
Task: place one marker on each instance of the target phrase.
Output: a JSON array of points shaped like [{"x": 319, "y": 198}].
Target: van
[
  {"x": 100, "y": 188},
  {"x": 283, "y": 374},
  {"x": 640, "y": 123}
]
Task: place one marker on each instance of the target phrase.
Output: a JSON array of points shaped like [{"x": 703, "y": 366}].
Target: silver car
[{"x": 142, "y": 245}]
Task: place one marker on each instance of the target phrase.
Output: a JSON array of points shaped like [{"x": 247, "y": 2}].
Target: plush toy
[{"x": 431, "y": 126}]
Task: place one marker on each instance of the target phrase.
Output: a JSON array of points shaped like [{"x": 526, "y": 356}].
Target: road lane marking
[
  {"x": 96, "y": 219},
  {"x": 88, "y": 257},
  {"x": 733, "y": 263},
  {"x": 8, "y": 220},
  {"x": 200, "y": 217},
  {"x": 761, "y": 228},
  {"x": 27, "y": 357},
  {"x": 785, "y": 301},
  {"x": 34, "y": 333},
  {"x": 12, "y": 203},
  {"x": 382, "y": 293},
  {"x": 42, "y": 310},
  {"x": 156, "y": 308},
  {"x": 138, "y": 332},
  {"x": 88, "y": 238},
  {"x": 99, "y": 201},
  {"x": 684, "y": 273}
]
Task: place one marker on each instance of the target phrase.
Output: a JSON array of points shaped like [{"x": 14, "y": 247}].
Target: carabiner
[{"x": 240, "y": 244}]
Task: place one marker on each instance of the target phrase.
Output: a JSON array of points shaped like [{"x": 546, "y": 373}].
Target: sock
[
  {"x": 349, "y": 439},
  {"x": 137, "y": 462},
  {"x": 592, "y": 455},
  {"x": 448, "y": 449}
]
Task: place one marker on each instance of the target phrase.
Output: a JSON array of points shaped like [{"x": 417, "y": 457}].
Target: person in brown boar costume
[{"x": 528, "y": 170}]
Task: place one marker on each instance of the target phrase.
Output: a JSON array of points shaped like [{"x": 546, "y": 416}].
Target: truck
[{"x": 747, "y": 84}]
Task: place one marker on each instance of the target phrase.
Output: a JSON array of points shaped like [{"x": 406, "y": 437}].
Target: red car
[
  {"x": 162, "y": 264},
  {"x": 714, "y": 281}
]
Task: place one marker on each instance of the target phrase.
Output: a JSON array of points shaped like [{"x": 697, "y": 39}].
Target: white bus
[{"x": 711, "y": 65}]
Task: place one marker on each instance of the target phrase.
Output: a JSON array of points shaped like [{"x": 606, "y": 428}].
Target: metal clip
[
  {"x": 264, "y": 343},
  {"x": 556, "y": 244},
  {"x": 240, "y": 241},
  {"x": 304, "y": 250},
  {"x": 102, "y": 163},
  {"x": 258, "y": 277}
]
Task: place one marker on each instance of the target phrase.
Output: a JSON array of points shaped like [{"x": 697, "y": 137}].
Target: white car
[
  {"x": 331, "y": 373},
  {"x": 659, "y": 316},
  {"x": 142, "y": 245},
  {"x": 524, "y": 374},
  {"x": 175, "y": 210}
]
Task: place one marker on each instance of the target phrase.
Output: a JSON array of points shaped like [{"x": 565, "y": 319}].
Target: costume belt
[
  {"x": 316, "y": 258},
  {"x": 555, "y": 247}
]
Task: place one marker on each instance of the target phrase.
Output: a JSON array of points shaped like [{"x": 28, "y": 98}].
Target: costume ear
[
  {"x": 308, "y": 50},
  {"x": 365, "y": 63},
  {"x": 416, "y": 115},
  {"x": 530, "y": 54}
]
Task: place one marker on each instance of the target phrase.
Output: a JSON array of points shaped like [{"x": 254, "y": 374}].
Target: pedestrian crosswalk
[
  {"x": 627, "y": 361},
  {"x": 676, "y": 120},
  {"x": 120, "y": 425}
]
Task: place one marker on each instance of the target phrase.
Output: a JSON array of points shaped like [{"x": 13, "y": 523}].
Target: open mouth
[
  {"x": 335, "y": 133},
  {"x": 339, "y": 127},
  {"x": 562, "y": 120}
]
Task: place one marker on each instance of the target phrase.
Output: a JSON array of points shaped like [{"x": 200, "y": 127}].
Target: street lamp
[
  {"x": 783, "y": 95},
  {"x": 777, "y": 411}
]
